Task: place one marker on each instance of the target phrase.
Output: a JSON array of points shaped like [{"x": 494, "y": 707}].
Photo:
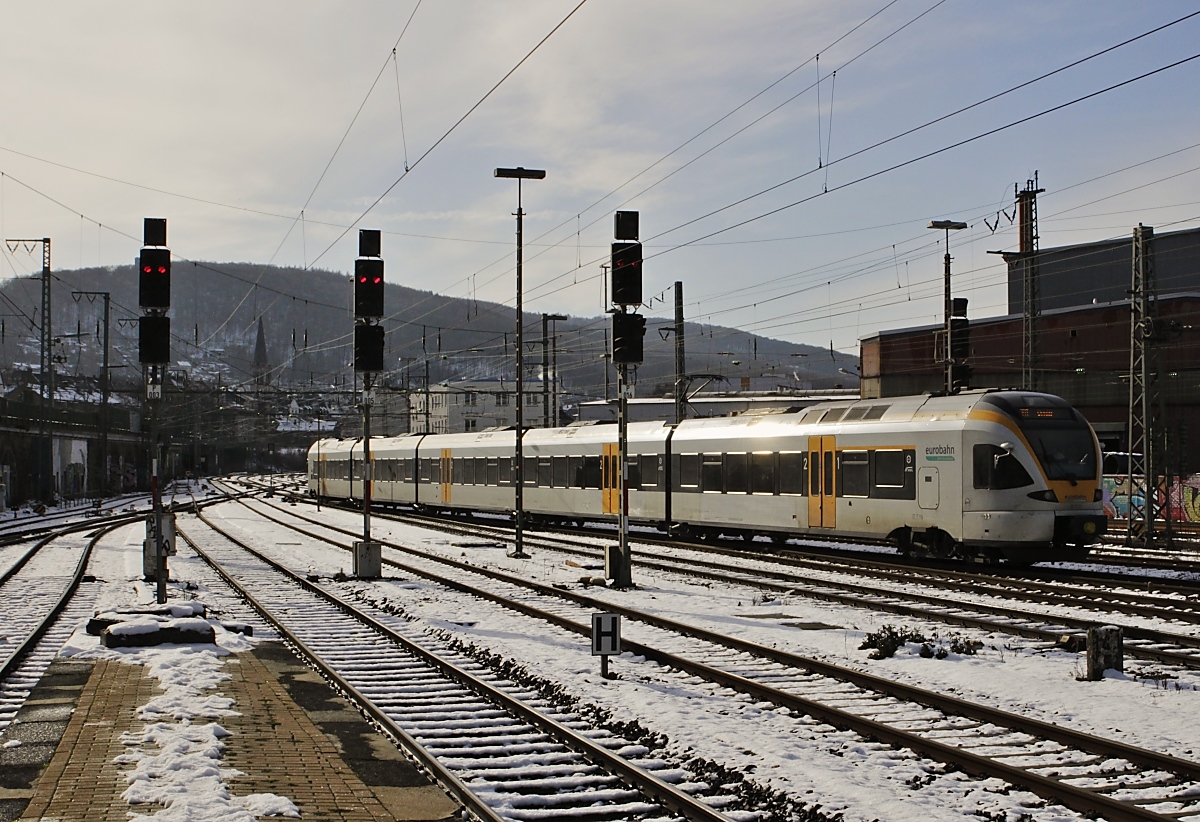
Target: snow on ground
[
  {"x": 175, "y": 758},
  {"x": 794, "y": 754}
]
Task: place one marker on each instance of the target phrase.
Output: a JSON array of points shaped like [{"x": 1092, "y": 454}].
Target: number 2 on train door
[
  {"x": 610, "y": 480},
  {"x": 822, "y": 479}
]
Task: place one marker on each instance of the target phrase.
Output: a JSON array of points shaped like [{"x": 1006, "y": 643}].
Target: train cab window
[
  {"x": 854, "y": 474},
  {"x": 762, "y": 473},
  {"x": 689, "y": 471},
  {"x": 648, "y": 466},
  {"x": 591, "y": 472},
  {"x": 562, "y": 472},
  {"x": 530, "y": 470},
  {"x": 543, "y": 473},
  {"x": 575, "y": 471},
  {"x": 505, "y": 470},
  {"x": 737, "y": 473},
  {"x": 997, "y": 469},
  {"x": 712, "y": 474},
  {"x": 493, "y": 471},
  {"x": 793, "y": 472}
]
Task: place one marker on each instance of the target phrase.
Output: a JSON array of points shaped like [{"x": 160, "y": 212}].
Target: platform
[{"x": 295, "y": 738}]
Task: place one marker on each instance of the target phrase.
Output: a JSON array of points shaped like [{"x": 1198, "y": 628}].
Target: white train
[{"x": 978, "y": 475}]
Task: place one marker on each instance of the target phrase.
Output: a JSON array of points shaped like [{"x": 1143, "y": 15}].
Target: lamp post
[
  {"x": 520, "y": 174},
  {"x": 948, "y": 226}
]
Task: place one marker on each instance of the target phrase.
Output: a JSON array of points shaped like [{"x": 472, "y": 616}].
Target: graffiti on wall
[{"x": 1183, "y": 498}]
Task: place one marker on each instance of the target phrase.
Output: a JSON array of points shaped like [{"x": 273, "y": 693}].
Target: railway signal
[
  {"x": 368, "y": 361},
  {"x": 628, "y": 331},
  {"x": 154, "y": 352},
  {"x": 368, "y": 288}
]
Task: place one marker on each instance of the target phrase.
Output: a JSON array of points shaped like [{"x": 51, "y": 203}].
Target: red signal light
[{"x": 147, "y": 269}]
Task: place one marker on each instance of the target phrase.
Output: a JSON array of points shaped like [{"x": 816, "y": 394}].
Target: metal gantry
[
  {"x": 1144, "y": 450},
  {"x": 1031, "y": 304}
]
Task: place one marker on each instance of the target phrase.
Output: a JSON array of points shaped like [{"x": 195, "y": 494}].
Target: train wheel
[{"x": 779, "y": 538}]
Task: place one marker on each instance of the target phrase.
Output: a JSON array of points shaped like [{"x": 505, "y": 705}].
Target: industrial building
[{"x": 1081, "y": 340}]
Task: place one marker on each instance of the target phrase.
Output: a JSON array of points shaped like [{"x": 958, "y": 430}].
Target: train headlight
[
  {"x": 1089, "y": 528},
  {"x": 1045, "y": 496}
]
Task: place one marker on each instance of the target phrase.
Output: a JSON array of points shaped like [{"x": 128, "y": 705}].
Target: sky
[{"x": 269, "y": 132}]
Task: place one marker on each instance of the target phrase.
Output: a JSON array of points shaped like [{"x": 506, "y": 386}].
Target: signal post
[
  {"x": 368, "y": 361},
  {"x": 628, "y": 330},
  {"x": 154, "y": 353}
]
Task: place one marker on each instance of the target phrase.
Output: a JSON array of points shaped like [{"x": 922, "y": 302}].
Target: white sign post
[{"x": 606, "y": 639}]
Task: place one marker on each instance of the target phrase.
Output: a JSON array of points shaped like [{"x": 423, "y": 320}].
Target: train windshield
[{"x": 1060, "y": 437}]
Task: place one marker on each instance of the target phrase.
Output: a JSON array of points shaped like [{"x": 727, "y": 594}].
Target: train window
[
  {"x": 561, "y": 472},
  {"x": 464, "y": 472},
  {"x": 531, "y": 470},
  {"x": 793, "y": 472},
  {"x": 814, "y": 474},
  {"x": 827, "y": 482},
  {"x": 833, "y": 415},
  {"x": 762, "y": 473},
  {"x": 876, "y": 412},
  {"x": 855, "y": 413},
  {"x": 435, "y": 471},
  {"x": 737, "y": 473},
  {"x": 635, "y": 472},
  {"x": 855, "y": 474},
  {"x": 493, "y": 470},
  {"x": 591, "y": 472},
  {"x": 997, "y": 469},
  {"x": 648, "y": 465},
  {"x": 425, "y": 470},
  {"x": 506, "y": 470},
  {"x": 712, "y": 477},
  {"x": 575, "y": 471},
  {"x": 889, "y": 469},
  {"x": 689, "y": 471},
  {"x": 543, "y": 473}
]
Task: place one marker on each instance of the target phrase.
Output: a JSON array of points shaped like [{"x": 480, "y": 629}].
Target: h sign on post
[{"x": 606, "y": 638}]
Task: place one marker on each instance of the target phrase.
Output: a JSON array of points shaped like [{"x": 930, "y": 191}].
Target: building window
[
  {"x": 502, "y": 400},
  {"x": 469, "y": 398},
  {"x": 469, "y": 425}
]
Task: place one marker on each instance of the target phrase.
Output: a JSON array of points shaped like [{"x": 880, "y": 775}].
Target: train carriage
[{"x": 980, "y": 474}]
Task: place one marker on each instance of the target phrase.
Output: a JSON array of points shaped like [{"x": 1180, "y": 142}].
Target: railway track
[
  {"x": 1088, "y": 773},
  {"x": 500, "y": 747},
  {"x": 38, "y": 597},
  {"x": 823, "y": 580}
]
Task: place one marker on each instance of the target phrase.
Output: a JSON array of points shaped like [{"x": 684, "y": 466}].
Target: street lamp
[
  {"x": 948, "y": 226},
  {"x": 520, "y": 174}
]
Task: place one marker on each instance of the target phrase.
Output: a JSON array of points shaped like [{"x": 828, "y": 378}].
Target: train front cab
[{"x": 1033, "y": 493}]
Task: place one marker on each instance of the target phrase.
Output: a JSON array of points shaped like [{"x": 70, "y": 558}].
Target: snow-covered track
[
  {"x": 500, "y": 748},
  {"x": 41, "y": 610},
  {"x": 1088, "y": 773},
  {"x": 771, "y": 573}
]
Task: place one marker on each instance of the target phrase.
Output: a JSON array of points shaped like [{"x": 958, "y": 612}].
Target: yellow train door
[
  {"x": 446, "y": 478},
  {"x": 822, "y": 478},
  {"x": 610, "y": 478}
]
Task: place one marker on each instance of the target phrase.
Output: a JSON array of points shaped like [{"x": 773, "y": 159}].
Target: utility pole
[
  {"x": 104, "y": 368},
  {"x": 680, "y": 358},
  {"x": 44, "y": 449},
  {"x": 545, "y": 370},
  {"x": 1144, "y": 433},
  {"x": 518, "y": 476},
  {"x": 948, "y": 226},
  {"x": 1031, "y": 305}
]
